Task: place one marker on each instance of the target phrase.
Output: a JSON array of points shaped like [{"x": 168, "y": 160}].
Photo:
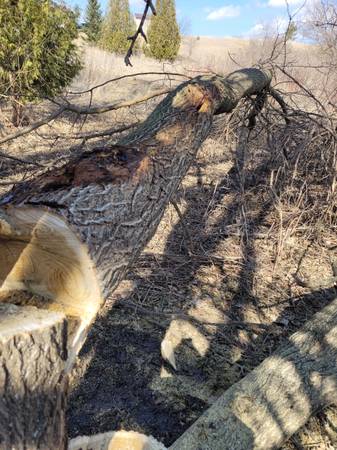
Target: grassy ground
[{"x": 249, "y": 220}]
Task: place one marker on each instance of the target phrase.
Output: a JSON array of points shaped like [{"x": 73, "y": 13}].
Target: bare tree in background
[{"x": 320, "y": 25}]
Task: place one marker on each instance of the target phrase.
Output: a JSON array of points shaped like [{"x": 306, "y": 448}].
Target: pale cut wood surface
[
  {"x": 116, "y": 440},
  {"x": 265, "y": 408}
]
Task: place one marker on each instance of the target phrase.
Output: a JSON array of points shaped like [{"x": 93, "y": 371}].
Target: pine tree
[
  {"x": 117, "y": 27},
  {"x": 93, "y": 21},
  {"x": 38, "y": 56},
  {"x": 163, "y": 33}
]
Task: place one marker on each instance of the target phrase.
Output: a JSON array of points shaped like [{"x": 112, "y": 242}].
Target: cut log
[
  {"x": 270, "y": 404},
  {"x": 116, "y": 440},
  {"x": 32, "y": 389},
  {"x": 71, "y": 233}
]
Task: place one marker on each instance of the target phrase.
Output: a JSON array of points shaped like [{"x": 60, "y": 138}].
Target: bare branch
[
  {"x": 19, "y": 160},
  {"x": 140, "y": 31},
  {"x": 32, "y": 127},
  {"x": 277, "y": 97},
  {"x": 87, "y": 136},
  {"x": 303, "y": 88},
  {"x": 102, "y": 109},
  {"x": 78, "y": 110},
  {"x": 131, "y": 75}
]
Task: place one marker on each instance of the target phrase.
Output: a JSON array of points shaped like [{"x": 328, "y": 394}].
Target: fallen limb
[
  {"x": 270, "y": 404},
  {"x": 130, "y": 75},
  {"x": 95, "y": 135},
  {"x": 34, "y": 126},
  {"x": 81, "y": 110},
  {"x": 70, "y": 234}
]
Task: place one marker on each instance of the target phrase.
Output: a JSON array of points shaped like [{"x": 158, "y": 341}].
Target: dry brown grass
[{"x": 258, "y": 207}]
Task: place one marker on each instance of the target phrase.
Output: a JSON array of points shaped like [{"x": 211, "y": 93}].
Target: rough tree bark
[
  {"x": 70, "y": 234},
  {"x": 270, "y": 404},
  {"x": 32, "y": 388}
]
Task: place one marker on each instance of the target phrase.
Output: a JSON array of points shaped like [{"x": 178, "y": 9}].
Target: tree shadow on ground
[{"x": 123, "y": 382}]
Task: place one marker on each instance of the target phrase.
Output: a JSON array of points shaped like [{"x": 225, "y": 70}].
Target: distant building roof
[{"x": 140, "y": 15}]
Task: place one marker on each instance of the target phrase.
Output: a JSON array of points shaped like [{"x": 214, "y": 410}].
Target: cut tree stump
[
  {"x": 265, "y": 408},
  {"x": 32, "y": 387}
]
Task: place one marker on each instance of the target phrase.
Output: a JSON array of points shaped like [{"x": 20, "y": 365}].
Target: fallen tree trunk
[
  {"x": 270, "y": 404},
  {"x": 71, "y": 233},
  {"x": 32, "y": 388}
]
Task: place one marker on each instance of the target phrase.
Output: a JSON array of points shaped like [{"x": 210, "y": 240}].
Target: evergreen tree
[
  {"x": 93, "y": 20},
  {"x": 117, "y": 27},
  {"x": 38, "y": 56},
  {"x": 163, "y": 33}
]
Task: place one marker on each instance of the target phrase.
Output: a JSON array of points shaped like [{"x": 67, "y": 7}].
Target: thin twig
[
  {"x": 33, "y": 127},
  {"x": 19, "y": 160},
  {"x": 87, "y": 136},
  {"x": 113, "y": 107},
  {"x": 277, "y": 97},
  {"x": 78, "y": 110},
  {"x": 300, "y": 85},
  {"x": 131, "y": 75}
]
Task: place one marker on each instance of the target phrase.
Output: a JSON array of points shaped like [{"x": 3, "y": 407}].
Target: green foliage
[
  {"x": 38, "y": 56},
  {"x": 291, "y": 31},
  {"x": 163, "y": 33},
  {"x": 117, "y": 27},
  {"x": 93, "y": 21}
]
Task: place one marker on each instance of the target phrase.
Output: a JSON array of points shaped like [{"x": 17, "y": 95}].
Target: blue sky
[{"x": 223, "y": 18}]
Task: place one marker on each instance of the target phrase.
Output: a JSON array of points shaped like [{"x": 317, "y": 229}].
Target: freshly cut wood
[
  {"x": 116, "y": 440},
  {"x": 32, "y": 390},
  {"x": 271, "y": 403},
  {"x": 70, "y": 234}
]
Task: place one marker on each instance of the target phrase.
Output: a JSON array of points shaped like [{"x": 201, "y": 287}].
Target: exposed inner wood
[
  {"x": 117, "y": 440},
  {"x": 40, "y": 254},
  {"x": 71, "y": 233}
]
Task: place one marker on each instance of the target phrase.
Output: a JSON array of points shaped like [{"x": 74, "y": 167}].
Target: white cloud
[
  {"x": 276, "y": 26},
  {"x": 224, "y": 12},
  {"x": 256, "y": 29},
  {"x": 278, "y": 3}
]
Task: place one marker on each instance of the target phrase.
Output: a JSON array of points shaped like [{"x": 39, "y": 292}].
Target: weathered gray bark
[
  {"x": 271, "y": 403},
  {"x": 32, "y": 390},
  {"x": 71, "y": 234}
]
